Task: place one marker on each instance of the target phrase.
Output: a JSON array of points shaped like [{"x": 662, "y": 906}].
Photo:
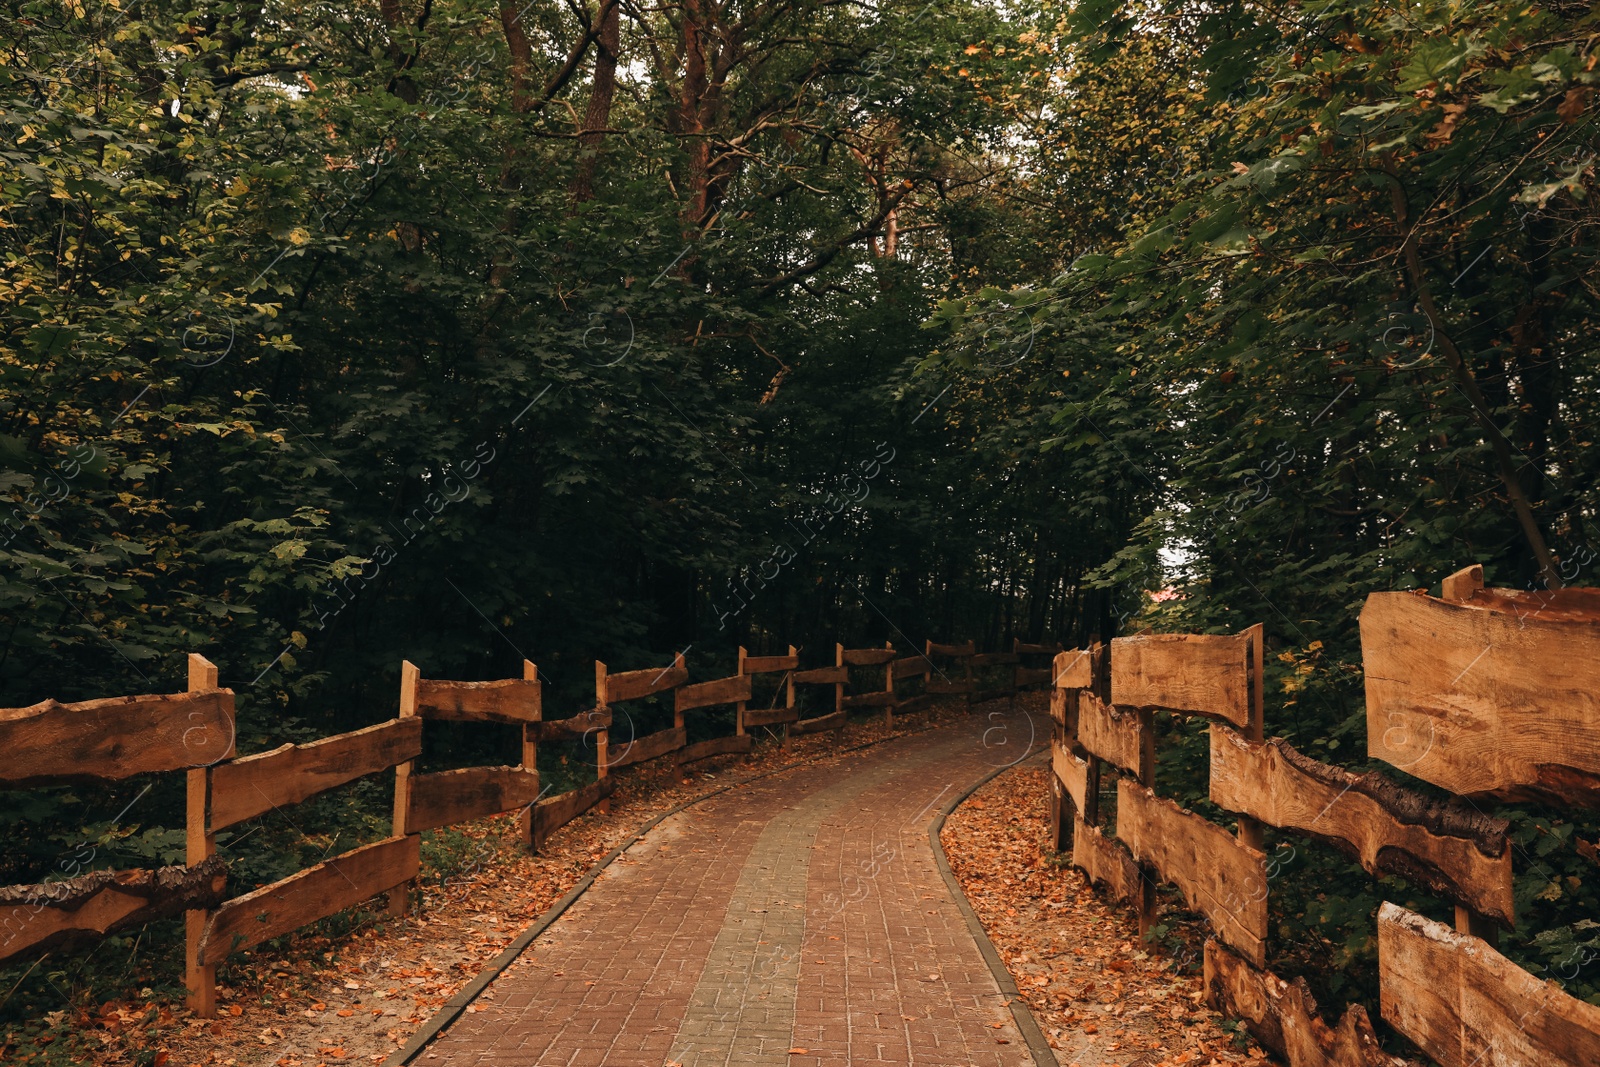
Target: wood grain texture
[
  {"x": 36, "y": 918},
  {"x": 1494, "y": 696},
  {"x": 1283, "y": 1015},
  {"x": 1466, "y": 1005},
  {"x": 312, "y": 894},
  {"x": 770, "y": 664},
  {"x": 509, "y": 700},
  {"x": 1074, "y": 669},
  {"x": 1453, "y": 849},
  {"x": 573, "y": 728},
  {"x": 704, "y": 694},
  {"x": 869, "y": 657},
  {"x": 1106, "y": 862},
  {"x": 959, "y": 651},
  {"x": 114, "y": 738},
  {"x": 823, "y": 676},
  {"x": 1071, "y": 771},
  {"x": 552, "y": 813},
  {"x": 648, "y": 747},
  {"x": 633, "y": 685},
  {"x": 449, "y": 797},
  {"x": 289, "y": 774},
  {"x": 911, "y": 667},
  {"x": 1219, "y": 878},
  {"x": 1200, "y": 674},
  {"x": 1115, "y": 735},
  {"x": 717, "y": 746},
  {"x": 771, "y": 716},
  {"x": 831, "y": 721},
  {"x": 1022, "y": 648},
  {"x": 882, "y": 699}
]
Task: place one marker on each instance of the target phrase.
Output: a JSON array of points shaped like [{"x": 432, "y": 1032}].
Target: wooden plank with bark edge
[
  {"x": 771, "y": 716},
  {"x": 507, "y": 700},
  {"x": 993, "y": 659},
  {"x": 1073, "y": 669},
  {"x": 36, "y": 918},
  {"x": 1453, "y": 849},
  {"x": 958, "y": 651},
  {"x": 704, "y": 694},
  {"x": 577, "y": 727},
  {"x": 717, "y": 746},
  {"x": 648, "y": 747},
  {"x": 290, "y": 774},
  {"x": 552, "y": 813},
  {"x": 831, "y": 721},
  {"x": 822, "y": 676},
  {"x": 881, "y": 699},
  {"x": 1495, "y": 696},
  {"x": 312, "y": 894},
  {"x": 869, "y": 657},
  {"x": 770, "y": 664},
  {"x": 1061, "y": 702},
  {"x": 1466, "y": 1005},
  {"x": 1113, "y": 734},
  {"x": 1197, "y": 674},
  {"x": 114, "y": 738},
  {"x": 1105, "y": 861},
  {"x": 1071, "y": 771},
  {"x": 1220, "y": 879},
  {"x": 911, "y": 667},
  {"x": 1283, "y": 1015},
  {"x": 635, "y": 685},
  {"x": 448, "y": 797}
]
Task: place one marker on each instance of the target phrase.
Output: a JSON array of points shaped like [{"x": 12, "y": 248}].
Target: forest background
[{"x": 464, "y": 333}]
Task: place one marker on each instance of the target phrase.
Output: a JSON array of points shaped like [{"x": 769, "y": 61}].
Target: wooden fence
[
  {"x": 193, "y": 732},
  {"x": 1486, "y": 693}
]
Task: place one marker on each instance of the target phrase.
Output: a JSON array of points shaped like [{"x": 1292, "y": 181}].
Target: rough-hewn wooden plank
[
  {"x": 1466, "y": 1005},
  {"x": 948, "y": 685},
  {"x": 881, "y": 699},
  {"x": 1022, "y": 648},
  {"x": 1072, "y": 772},
  {"x": 552, "y": 813},
  {"x": 1074, "y": 669},
  {"x": 1497, "y": 695},
  {"x": 831, "y": 721},
  {"x": 704, "y": 694},
  {"x": 993, "y": 659},
  {"x": 770, "y": 664},
  {"x": 1114, "y": 735},
  {"x": 510, "y": 700},
  {"x": 632, "y": 685},
  {"x": 1219, "y": 878},
  {"x": 449, "y": 797},
  {"x": 1283, "y": 1015},
  {"x": 648, "y": 747},
  {"x": 916, "y": 703},
  {"x": 911, "y": 667},
  {"x": 823, "y": 676},
  {"x": 1029, "y": 676},
  {"x": 114, "y": 738},
  {"x": 312, "y": 894},
  {"x": 289, "y": 774},
  {"x": 34, "y": 918},
  {"x": 1062, "y": 703},
  {"x": 1454, "y": 849},
  {"x": 1202, "y": 674},
  {"x": 1106, "y": 862},
  {"x": 869, "y": 657},
  {"x": 968, "y": 649},
  {"x": 573, "y": 728},
  {"x": 717, "y": 746},
  {"x": 771, "y": 716}
]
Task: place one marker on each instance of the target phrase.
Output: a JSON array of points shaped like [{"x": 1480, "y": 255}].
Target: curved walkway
[{"x": 800, "y": 919}]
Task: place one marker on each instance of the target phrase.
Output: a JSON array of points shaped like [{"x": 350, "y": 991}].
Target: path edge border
[
  {"x": 457, "y": 1005},
  {"x": 1038, "y": 1047}
]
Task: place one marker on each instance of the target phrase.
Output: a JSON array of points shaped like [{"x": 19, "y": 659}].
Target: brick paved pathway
[{"x": 800, "y": 912}]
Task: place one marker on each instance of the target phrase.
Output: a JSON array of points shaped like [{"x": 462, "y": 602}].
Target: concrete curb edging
[{"x": 1038, "y": 1047}]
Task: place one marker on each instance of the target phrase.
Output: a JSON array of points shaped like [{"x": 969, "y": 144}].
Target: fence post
[
  {"x": 602, "y": 738},
  {"x": 838, "y": 692},
  {"x": 200, "y": 844},
  {"x": 530, "y": 762},
  {"x": 1251, "y": 832},
  {"x": 1147, "y": 778},
  {"x": 739, "y": 709},
  {"x": 888, "y": 687},
  {"x": 789, "y": 695},
  {"x": 410, "y": 674}
]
